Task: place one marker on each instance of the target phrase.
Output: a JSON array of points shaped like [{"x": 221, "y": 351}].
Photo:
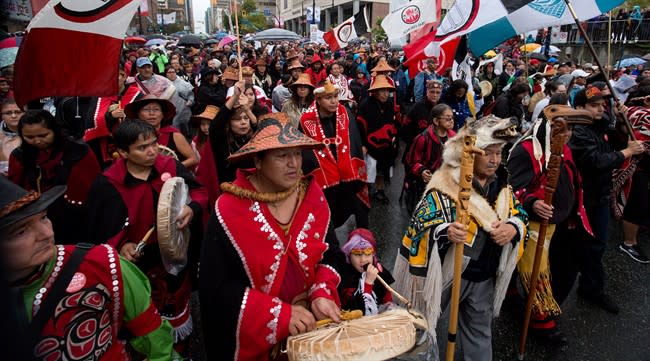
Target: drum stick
[
  {"x": 143, "y": 243},
  {"x": 389, "y": 288},
  {"x": 345, "y": 316}
]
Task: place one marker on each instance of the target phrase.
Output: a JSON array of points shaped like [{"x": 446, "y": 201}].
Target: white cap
[{"x": 579, "y": 73}]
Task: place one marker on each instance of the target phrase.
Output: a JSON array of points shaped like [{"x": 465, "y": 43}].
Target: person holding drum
[
  {"x": 160, "y": 113},
  {"x": 269, "y": 253},
  {"x": 123, "y": 204}
]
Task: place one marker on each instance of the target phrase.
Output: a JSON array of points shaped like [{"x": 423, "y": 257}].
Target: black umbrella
[
  {"x": 538, "y": 56},
  {"x": 189, "y": 40},
  {"x": 211, "y": 41},
  {"x": 154, "y": 36}
]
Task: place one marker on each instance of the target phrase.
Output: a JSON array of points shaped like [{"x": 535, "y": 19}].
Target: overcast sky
[{"x": 199, "y": 8}]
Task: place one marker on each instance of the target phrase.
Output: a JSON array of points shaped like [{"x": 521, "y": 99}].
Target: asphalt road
[{"x": 594, "y": 335}]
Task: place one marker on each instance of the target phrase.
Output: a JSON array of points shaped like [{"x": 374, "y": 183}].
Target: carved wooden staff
[
  {"x": 462, "y": 216},
  {"x": 559, "y": 137}
]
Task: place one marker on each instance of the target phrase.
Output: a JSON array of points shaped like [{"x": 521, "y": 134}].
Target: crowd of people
[{"x": 278, "y": 149}]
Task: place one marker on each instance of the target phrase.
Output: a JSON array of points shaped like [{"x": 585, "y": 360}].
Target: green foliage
[
  {"x": 249, "y": 6},
  {"x": 378, "y": 33}
]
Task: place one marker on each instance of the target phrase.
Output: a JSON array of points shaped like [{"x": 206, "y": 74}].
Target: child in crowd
[{"x": 359, "y": 288}]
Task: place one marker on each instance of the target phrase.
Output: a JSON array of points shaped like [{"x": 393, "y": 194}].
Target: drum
[
  {"x": 173, "y": 242},
  {"x": 167, "y": 151},
  {"x": 378, "y": 337}
]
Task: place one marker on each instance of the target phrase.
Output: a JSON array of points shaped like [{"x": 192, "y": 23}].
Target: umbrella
[
  {"x": 538, "y": 56},
  {"x": 276, "y": 34},
  {"x": 629, "y": 56},
  {"x": 188, "y": 40},
  {"x": 135, "y": 40},
  {"x": 211, "y": 41},
  {"x": 490, "y": 54},
  {"x": 529, "y": 47},
  {"x": 220, "y": 35},
  {"x": 8, "y": 56},
  {"x": 154, "y": 36},
  {"x": 227, "y": 40},
  {"x": 552, "y": 49},
  {"x": 629, "y": 62},
  {"x": 153, "y": 42},
  {"x": 646, "y": 57}
]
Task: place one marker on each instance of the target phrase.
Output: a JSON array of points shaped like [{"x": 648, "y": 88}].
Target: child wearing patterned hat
[{"x": 359, "y": 288}]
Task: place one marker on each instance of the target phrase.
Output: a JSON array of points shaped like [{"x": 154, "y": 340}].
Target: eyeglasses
[
  {"x": 171, "y": 71},
  {"x": 151, "y": 110},
  {"x": 12, "y": 112},
  {"x": 445, "y": 118}
]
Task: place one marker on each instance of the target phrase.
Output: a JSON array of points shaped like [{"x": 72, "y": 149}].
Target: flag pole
[
  {"x": 609, "y": 42},
  {"x": 238, "y": 41},
  {"x": 600, "y": 65}
]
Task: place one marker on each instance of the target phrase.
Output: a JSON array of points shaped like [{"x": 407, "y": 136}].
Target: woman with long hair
[
  {"x": 302, "y": 96},
  {"x": 48, "y": 158},
  {"x": 159, "y": 113},
  {"x": 231, "y": 129}
]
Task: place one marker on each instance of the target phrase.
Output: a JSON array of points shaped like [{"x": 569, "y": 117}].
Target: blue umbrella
[
  {"x": 153, "y": 42},
  {"x": 8, "y": 56},
  {"x": 629, "y": 62}
]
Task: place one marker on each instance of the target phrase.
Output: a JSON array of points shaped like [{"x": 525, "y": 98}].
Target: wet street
[{"x": 594, "y": 335}]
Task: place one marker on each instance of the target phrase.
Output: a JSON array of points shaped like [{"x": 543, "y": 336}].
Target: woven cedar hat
[
  {"x": 295, "y": 64},
  {"x": 210, "y": 113},
  {"x": 303, "y": 79},
  {"x": 260, "y": 61},
  {"x": 230, "y": 74},
  {"x": 132, "y": 109},
  {"x": 327, "y": 89},
  {"x": 274, "y": 132},
  {"x": 382, "y": 65},
  {"x": 247, "y": 71},
  {"x": 291, "y": 55},
  {"x": 380, "y": 82}
]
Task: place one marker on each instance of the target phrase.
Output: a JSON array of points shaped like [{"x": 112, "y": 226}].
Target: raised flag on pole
[
  {"x": 416, "y": 53},
  {"x": 48, "y": 62},
  {"x": 348, "y": 30},
  {"x": 409, "y": 17},
  {"x": 144, "y": 7},
  {"x": 535, "y": 15}
]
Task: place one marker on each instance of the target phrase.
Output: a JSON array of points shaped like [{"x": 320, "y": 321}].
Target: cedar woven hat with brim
[
  {"x": 132, "y": 109},
  {"x": 326, "y": 89},
  {"x": 303, "y": 79},
  {"x": 380, "y": 82},
  {"x": 274, "y": 131},
  {"x": 295, "y": 64},
  {"x": 210, "y": 113},
  {"x": 291, "y": 54},
  {"x": 382, "y": 65},
  {"x": 17, "y": 204},
  {"x": 260, "y": 62},
  {"x": 230, "y": 74}
]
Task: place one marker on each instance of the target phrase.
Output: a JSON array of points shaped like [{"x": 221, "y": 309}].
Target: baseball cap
[
  {"x": 579, "y": 73},
  {"x": 589, "y": 94},
  {"x": 142, "y": 62}
]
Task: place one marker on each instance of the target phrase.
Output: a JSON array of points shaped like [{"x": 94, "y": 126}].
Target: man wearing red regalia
[
  {"x": 123, "y": 203},
  {"x": 269, "y": 254}
]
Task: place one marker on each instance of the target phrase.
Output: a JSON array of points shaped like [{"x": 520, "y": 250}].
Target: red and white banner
[
  {"x": 72, "y": 48},
  {"x": 416, "y": 53},
  {"x": 409, "y": 17}
]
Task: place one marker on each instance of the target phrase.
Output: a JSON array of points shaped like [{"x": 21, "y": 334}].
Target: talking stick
[{"x": 462, "y": 216}]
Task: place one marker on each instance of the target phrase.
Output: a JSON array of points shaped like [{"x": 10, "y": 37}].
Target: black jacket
[{"x": 595, "y": 159}]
